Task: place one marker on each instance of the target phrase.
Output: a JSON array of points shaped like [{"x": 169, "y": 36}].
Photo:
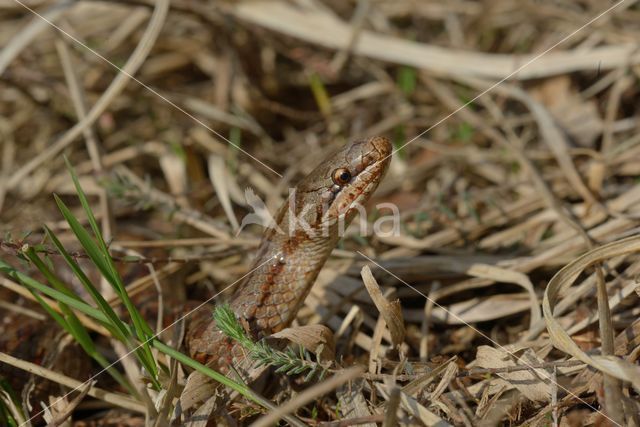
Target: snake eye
[{"x": 341, "y": 176}]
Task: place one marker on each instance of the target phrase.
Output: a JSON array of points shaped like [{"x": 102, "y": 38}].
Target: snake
[
  {"x": 294, "y": 250},
  {"x": 290, "y": 256}
]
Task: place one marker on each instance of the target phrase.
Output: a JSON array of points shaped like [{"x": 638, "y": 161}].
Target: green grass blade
[
  {"x": 99, "y": 253},
  {"x": 88, "y": 244},
  {"x": 85, "y": 205},
  {"x": 103, "y": 305},
  {"x": 101, "y": 260},
  {"x": 30, "y": 253},
  {"x": 60, "y": 320},
  {"x": 205, "y": 370},
  {"x": 72, "y": 325},
  {"x": 320, "y": 94},
  {"x": 407, "y": 80},
  {"x": 74, "y": 303},
  {"x": 103, "y": 250}
]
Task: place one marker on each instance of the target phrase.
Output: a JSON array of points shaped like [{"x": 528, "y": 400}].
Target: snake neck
[{"x": 284, "y": 271}]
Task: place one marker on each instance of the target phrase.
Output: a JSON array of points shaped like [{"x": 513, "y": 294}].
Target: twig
[
  {"x": 309, "y": 395},
  {"x": 16, "y": 247},
  {"x": 109, "y": 397},
  {"x": 353, "y": 421}
]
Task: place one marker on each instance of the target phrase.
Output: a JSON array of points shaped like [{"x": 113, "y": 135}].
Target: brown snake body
[
  {"x": 291, "y": 255},
  {"x": 288, "y": 261}
]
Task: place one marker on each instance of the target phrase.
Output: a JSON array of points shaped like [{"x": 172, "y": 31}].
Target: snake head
[{"x": 342, "y": 183}]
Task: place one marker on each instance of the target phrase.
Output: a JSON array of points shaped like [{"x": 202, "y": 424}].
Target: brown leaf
[
  {"x": 560, "y": 284},
  {"x": 578, "y": 117},
  {"x": 315, "y": 338},
  {"x": 390, "y": 311},
  {"x": 530, "y": 383},
  {"x": 199, "y": 388}
]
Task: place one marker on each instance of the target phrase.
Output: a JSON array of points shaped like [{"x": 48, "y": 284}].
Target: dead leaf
[
  {"x": 559, "y": 285},
  {"x": 352, "y": 402},
  {"x": 199, "y": 388},
  {"x": 578, "y": 117},
  {"x": 219, "y": 178},
  {"x": 315, "y": 338},
  {"x": 499, "y": 274},
  {"x": 475, "y": 309},
  {"x": 531, "y": 383},
  {"x": 390, "y": 311},
  {"x": 175, "y": 173}
]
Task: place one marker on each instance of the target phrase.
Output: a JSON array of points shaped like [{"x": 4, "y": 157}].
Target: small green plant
[
  {"x": 399, "y": 141},
  {"x": 407, "y": 80},
  {"x": 320, "y": 94},
  {"x": 136, "y": 335},
  {"x": 288, "y": 361},
  {"x": 463, "y": 132}
]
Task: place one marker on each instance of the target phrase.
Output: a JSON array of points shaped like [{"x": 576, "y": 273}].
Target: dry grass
[{"x": 535, "y": 179}]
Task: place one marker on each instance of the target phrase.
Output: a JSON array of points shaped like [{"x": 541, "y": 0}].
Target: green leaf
[
  {"x": 90, "y": 247},
  {"x": 47, "y": 273},
  {"x": 54, "y": 314},
  {"x": 85, "y": 205},
  {"x": 72, "y": 325},
  {"x": 186, "y": 360},
  {"x": 30, "y": 283},
  {"x": 99, "y": 253},
  {"x": 320, "y": 94},
  {"x": 120, "y": 331},
  {"x": 407, "y": 80},
  {"x": 464, "y": 132},
  {"x": 399, "y": 141}
]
